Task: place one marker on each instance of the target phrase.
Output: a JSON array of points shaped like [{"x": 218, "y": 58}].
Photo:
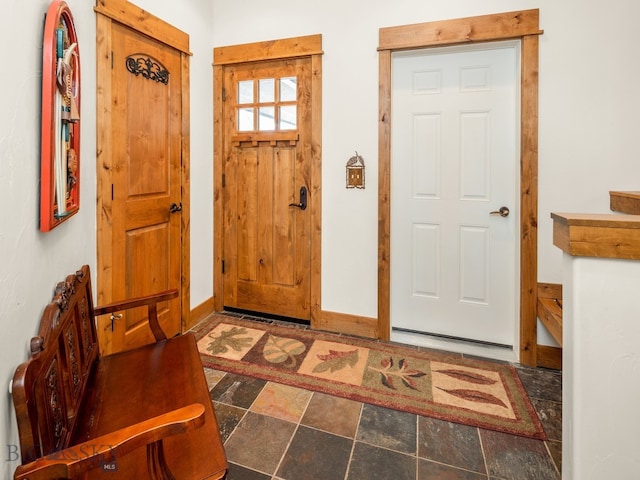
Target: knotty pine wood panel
[
  {"x": 597, "y": 235},
  {"x": 625, "y": 202},
  {"x": 471, "y": 29}
]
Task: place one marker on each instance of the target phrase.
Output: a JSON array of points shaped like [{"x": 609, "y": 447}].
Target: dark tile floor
[{"x": 278, "y": 432}]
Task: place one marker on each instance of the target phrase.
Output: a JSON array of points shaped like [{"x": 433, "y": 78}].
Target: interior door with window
[
  {"x": 266, "y": 167},
  {"x": 454, "y": 211}
]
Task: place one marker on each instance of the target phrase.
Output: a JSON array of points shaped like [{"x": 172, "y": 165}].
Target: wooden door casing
[
  {"x": 142, "y": 166},
  {"x": 523, "y": 25}
]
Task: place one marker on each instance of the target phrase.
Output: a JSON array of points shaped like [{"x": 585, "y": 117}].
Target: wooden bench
[{"x": 143, "y": 413}]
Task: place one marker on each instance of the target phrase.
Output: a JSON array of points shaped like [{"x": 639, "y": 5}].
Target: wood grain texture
[
  {"x": 348, "y": 324},
  {"x": 185, "y": 195},
  {"x": 126, "y": 169},
  {"x": 472, "y": 29},
  {"x": 270, "y": 50},
  {"x": 77, "y": 409},
  {"x": 597, "y": 235},
  {"x": 135, "y": 17},
  {"x": 625, "y": 202},
  {"x": 384, "y": 196},
  {"x": 290, "y": 149},
  {"x": 550, "y": 314},
  {"x": 549, "y": 357},
  {"x": 104, "y": 167},
  {"x": 529, "y": 200}
]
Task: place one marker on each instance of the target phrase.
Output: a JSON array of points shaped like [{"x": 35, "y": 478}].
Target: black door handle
[
  {"x": 175, "y": 208},
  {"x": 303, "y": 199}
]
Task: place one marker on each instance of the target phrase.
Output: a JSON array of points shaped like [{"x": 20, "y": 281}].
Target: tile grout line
[
  {"x": 353, "y": 443},
  {"x": 293, "y": 434},
  {"x": 417, "y": 447},
  {"x": 484, "y": 454}
]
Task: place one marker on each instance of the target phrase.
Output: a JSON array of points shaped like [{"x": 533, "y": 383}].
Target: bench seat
[{"x": 138, "y": 414}]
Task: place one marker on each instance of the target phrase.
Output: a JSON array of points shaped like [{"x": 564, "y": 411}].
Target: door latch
[
  {"x": 113, "y": 317},
  {"x": 303, "y": 199},
  {"x": 175, "y": 208},
  {"x": 503, "y": 212}
]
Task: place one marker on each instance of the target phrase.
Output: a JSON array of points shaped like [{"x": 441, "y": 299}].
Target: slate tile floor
[{"x": 278, "y": 432}]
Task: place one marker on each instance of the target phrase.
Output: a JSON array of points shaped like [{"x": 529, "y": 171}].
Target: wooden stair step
[
  {"x": 550, "y": 314},
  {"x": 625, "y": 202},
  {"x": 550, "y": 309}
]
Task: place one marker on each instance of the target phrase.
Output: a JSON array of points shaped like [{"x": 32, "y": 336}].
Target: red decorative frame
[{"x": 60, "y": 149}]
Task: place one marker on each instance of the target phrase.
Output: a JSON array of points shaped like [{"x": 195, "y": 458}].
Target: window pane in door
[
  {"x": 288, "y": 120},
  {"x": 288, "y": 89},
  {"x": 245, "y": 92},
  {"x": 245, "y": 119},
  {"x": 265, "y": 119},
  {"x": 266, "y": 88}
]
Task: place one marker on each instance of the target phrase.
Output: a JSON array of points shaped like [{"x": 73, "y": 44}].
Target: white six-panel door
[{"x": 455, "y": 154}]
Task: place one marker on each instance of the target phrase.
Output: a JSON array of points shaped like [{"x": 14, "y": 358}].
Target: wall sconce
[{"x": 355, "y": 172}]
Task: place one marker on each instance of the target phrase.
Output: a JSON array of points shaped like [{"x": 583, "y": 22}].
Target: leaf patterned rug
[{"x": 445, "y": 386}]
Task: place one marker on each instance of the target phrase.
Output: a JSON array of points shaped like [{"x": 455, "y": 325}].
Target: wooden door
[
  {"x": 454, "y": 162},
  {"x": 140, "y": 234},
  {"x": 267, "y": 194}
]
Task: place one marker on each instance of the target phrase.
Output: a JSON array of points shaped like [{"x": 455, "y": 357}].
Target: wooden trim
[
  {"x": 316, "y": 187},
  {"x": 218, "y": 204},
  {"x": 483, "y": 28},
  {"x": 348, "y": 324},
  {"x": 597, "y": 235},
  {"x": 104, "y": 204},
  {"x": 625, "y": 202},
  {"x": 522, "y": 25},
  {"x": 384, "y": 196},
  {"x": 529, "y": 200},
  {"x": 273, "y": 50},
  {"x": 255, "y": 137},
  {"x": 549, "y": 357},
  {"x": 142, "y": 21},
  {"x": 185, "y": 195},
  {"x": 550, "y": 290},
  {"x": 202, "y": 311}
]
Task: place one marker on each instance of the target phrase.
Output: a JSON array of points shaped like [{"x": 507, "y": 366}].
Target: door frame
[
  {"x": 135, "y": 18},
  {"x": 523, "y": 25},
  {"x": 282, "y": 49}
]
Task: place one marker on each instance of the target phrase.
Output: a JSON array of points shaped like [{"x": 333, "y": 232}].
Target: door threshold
[
  {"x": 264, "y": 317},
  {"x": 456, "y": 345}
]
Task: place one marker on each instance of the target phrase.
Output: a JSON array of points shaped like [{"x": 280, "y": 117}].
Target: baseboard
[
  {"x": 201, "y": 312},
  {"x": 549, "y": 357},
  {"x": 346, "y": 323}
]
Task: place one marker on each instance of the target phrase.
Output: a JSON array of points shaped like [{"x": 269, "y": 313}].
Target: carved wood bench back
[{"x": 51, "y": 386}]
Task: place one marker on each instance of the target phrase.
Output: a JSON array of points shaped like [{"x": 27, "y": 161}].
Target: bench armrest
[
  {"x": 151, "y": 301},
  {"x": 73, "y": 461}
]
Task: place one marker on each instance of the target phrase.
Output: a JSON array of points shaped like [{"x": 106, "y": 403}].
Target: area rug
[{"x": 440, "y": 385}]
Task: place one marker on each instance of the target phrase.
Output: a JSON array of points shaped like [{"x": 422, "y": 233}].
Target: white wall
[
  {"x": 600, "y": 393},
  {"x": 33, "y": 262},
  {"x": 589, "y": 68}
]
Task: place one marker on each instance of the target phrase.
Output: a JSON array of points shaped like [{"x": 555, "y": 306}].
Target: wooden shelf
[
  {"x": 625, "y": 202},
  {"x": 597, "y": 235}
]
